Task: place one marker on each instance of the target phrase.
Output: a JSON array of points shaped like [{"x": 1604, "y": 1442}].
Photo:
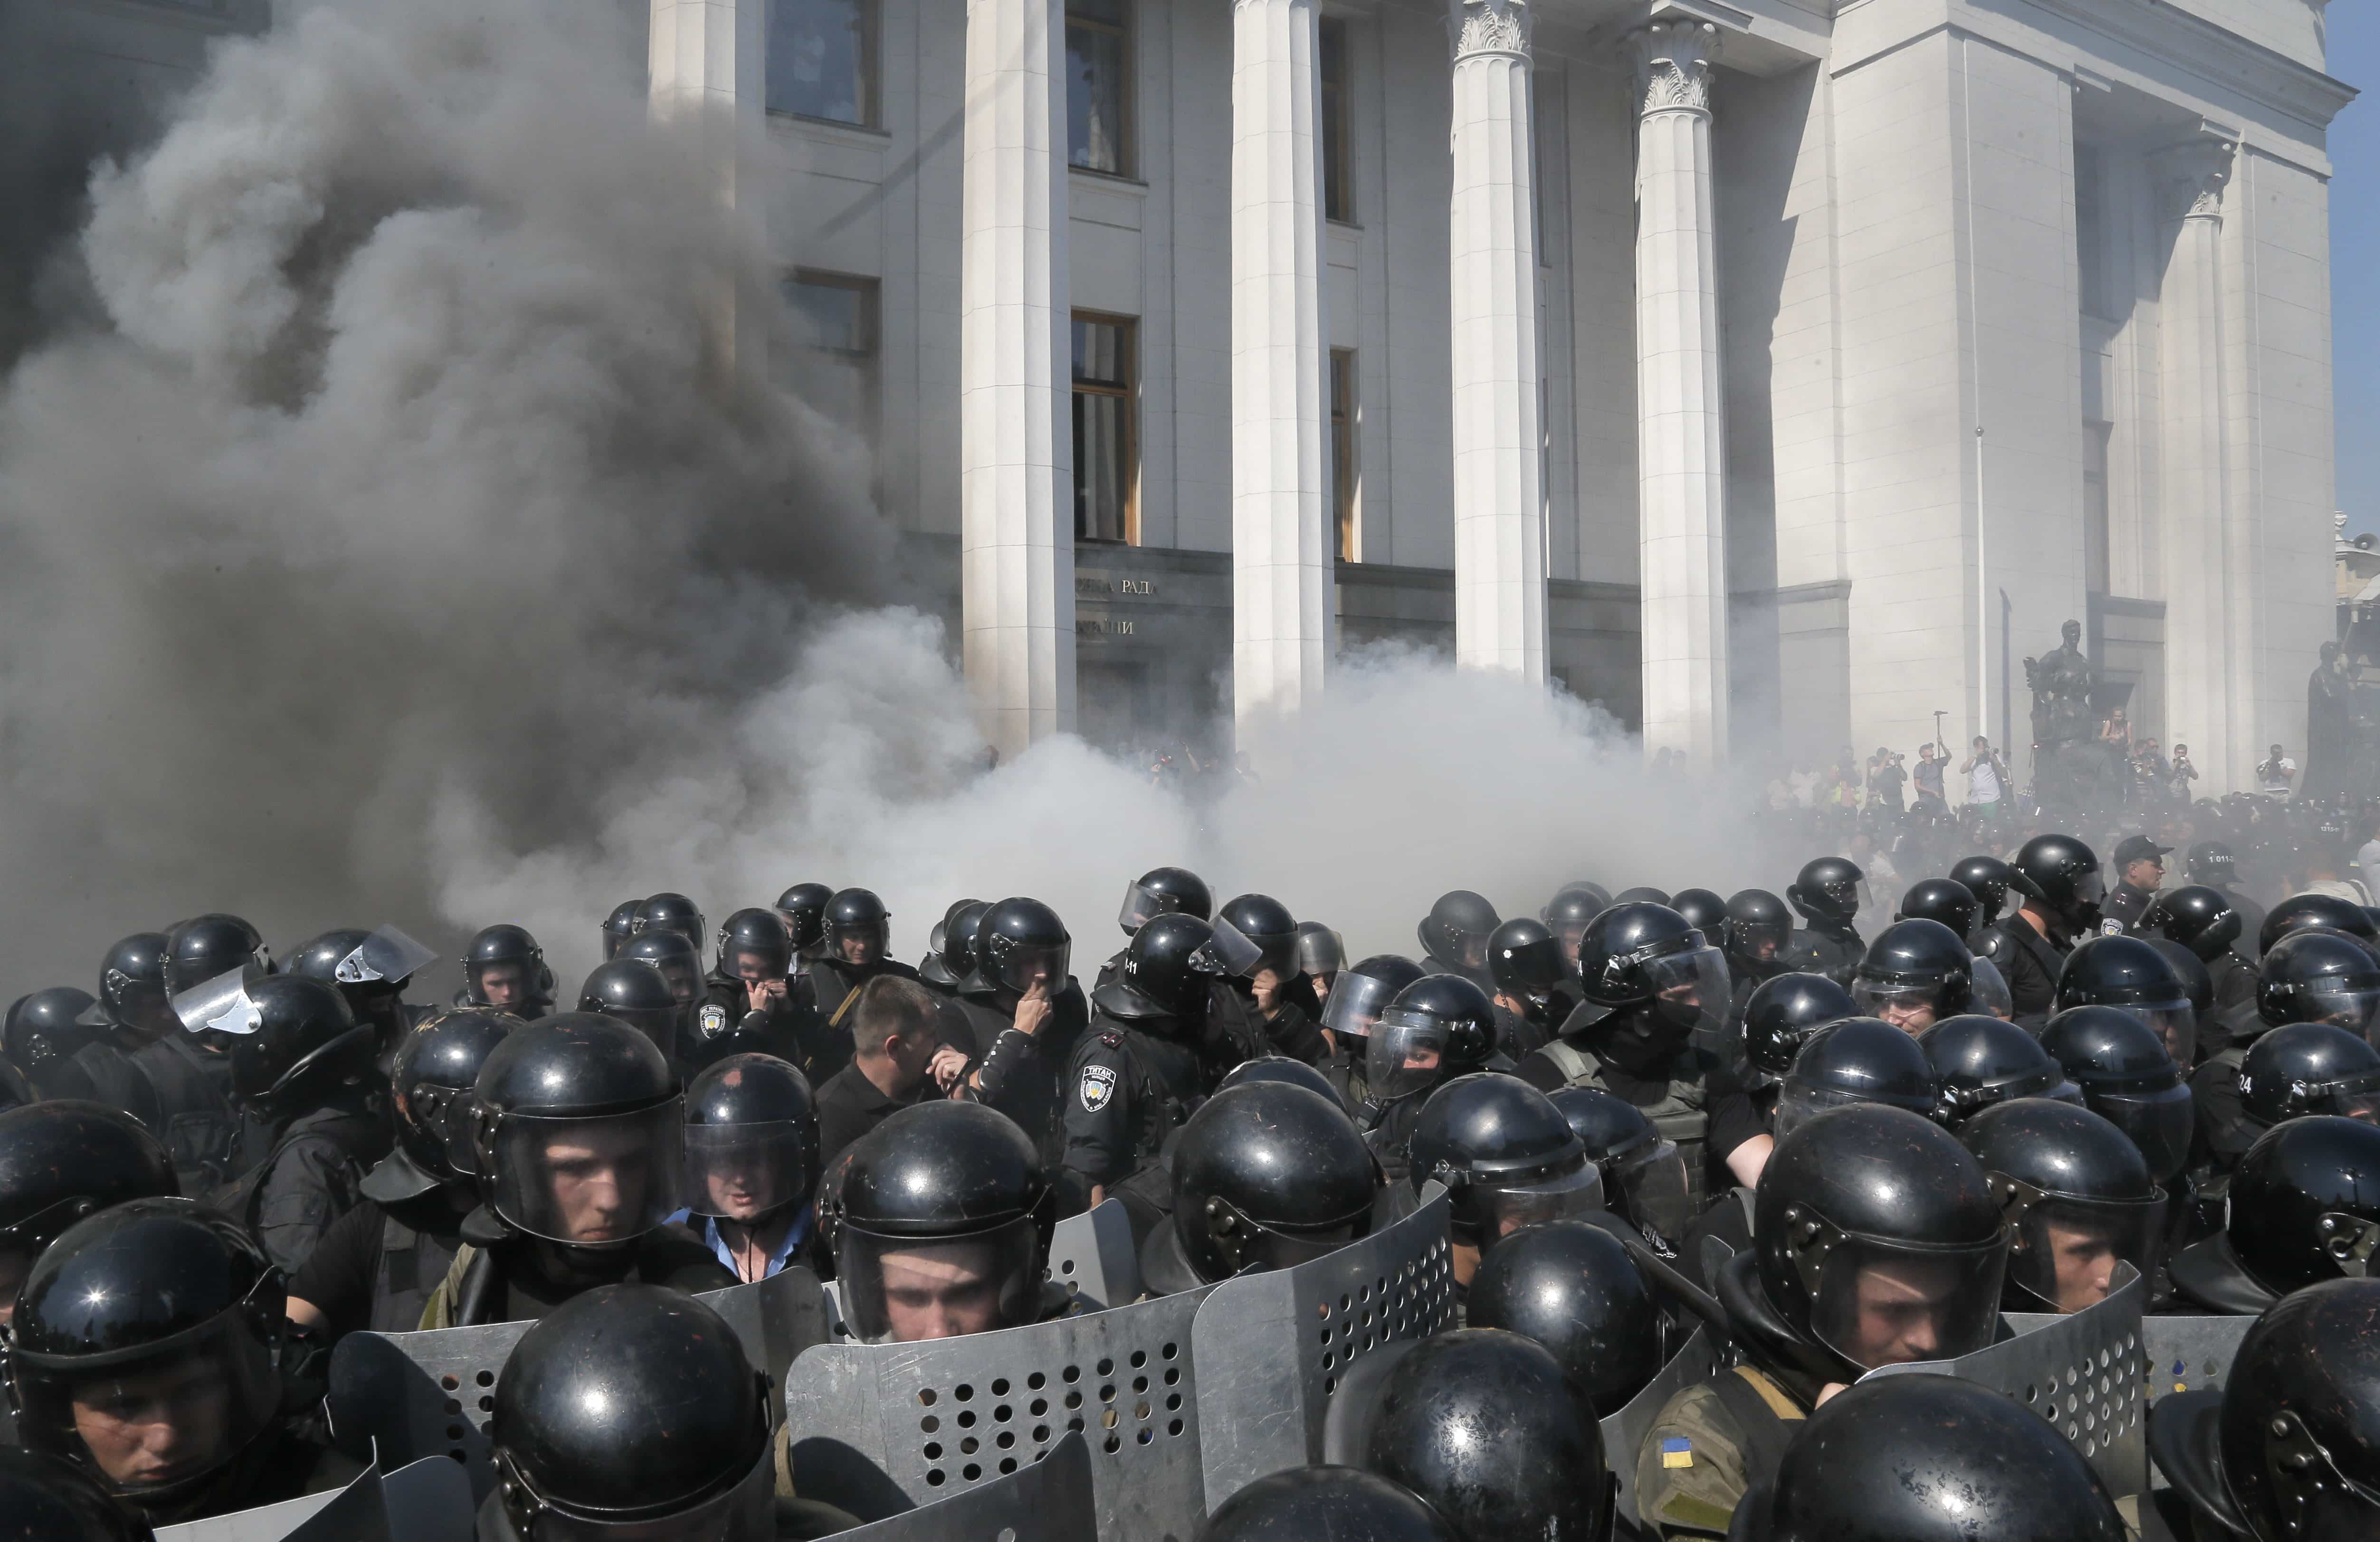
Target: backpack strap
[
  {"x": 852, "y": 995},
  {"x": 441, "y": 1310},
  {"x": 1577, "y": 1065}
]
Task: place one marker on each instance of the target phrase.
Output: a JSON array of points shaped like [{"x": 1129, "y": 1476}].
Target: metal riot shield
[
  {"x": 1272, "y": 1347},
  {"x": 1091, "y": 1254},
  {"x": 2190, "y": 1354},
  {"x": 1625, "y": 1432},
  {"x": 880, "y": 1429},
  {"x": 1049, "y": 1499},
  {"x": 429, "y": 1500},
  {"x": 357, "y": 1513},
  {"x": 2083, "y": 1372}
]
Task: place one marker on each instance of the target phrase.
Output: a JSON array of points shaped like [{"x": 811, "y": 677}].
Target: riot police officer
[
  {"x": 1321, "y": 954},
  {"x": 2304, "y": 1208},
  {"x": 1779, "y": 1019},
  {"x": 371, "y": 969},
  {"x": 2128, "y": 1078},
  {"x": 61, "y": 1161},
  {"x": 940, "y": 1221},
  {"x": 1758, "y": 931},
  {"x": 1437, "y": 1028},
  {"x": 2128, "y": 973},
  {"x": 147, "y": 1349},
  {"x": 678, "y": 960},
  {"x": 2202, "y": 920},
  {"x": 2078, "y": 1196},
  {"x": 378, "y": 1265},
  {"x": 1525, "y": 962},
  {"x": 1263, "y": 1001},
  {"x": 1860, "y": 1060},
  {"x": 2300, "y": 911},
  {"x": 1159, "y": 891},
  {"x": 752, "y": 1003},
  {"x": 634, "y": 992},
  {"x": 751, "y": 1162},
  {"x": 1508, "y": 1157},
  {"x": 1981, "y": 1062},
  {"x": 1265, "y": 1176},
  {"x": 1826, "y": 894},
  {"x": 1358, "y": 996},
  {"x": 619, "y": 926},
  {"x": 2309, "y": 1067},
  {"x": 856, "y": 945},
  {"x": 41, "y": 1034},
  {"x": 2315, "y": 975},
  {"x": 1914, "y": 975},
  {"x": 205, "y": 947},
  {"x": 1944, "y": 899},
  {"x": 187, "y": 1079},
  {"x": 803, "y": 910},
  {"x": 44, "y": 1496},
  {"x": 131, "y": 1011},
  {"x": 1643, "y": 1176},
  {"x": 1660, "y": 982},
  {"x": 1025, "y": 1026},
  {"x": 2059, "y": 877},
  {"x": 934, "y": 970},
  {"x": 1572, "y": 1286},
  {"x": 1988, "y": 878},
  {"x": 1455, "y": 935},
  {"x": 670, "y": 912},
  {"x": 1877, "y": 1241},
  {"x": 505, "y": 969},
  {"x": 1567, "y": 914},
  {"x": 1148, "y": 1060}
]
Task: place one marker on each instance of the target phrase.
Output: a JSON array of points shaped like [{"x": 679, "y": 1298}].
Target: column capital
[
  {"x": 2189, "y": 178},
  {"x": 1476, "y": 27},
  {"x": 1673, "y": 62}
]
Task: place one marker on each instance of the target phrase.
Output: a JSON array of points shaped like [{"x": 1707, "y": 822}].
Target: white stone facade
[{"x": 1779, "y": 373}]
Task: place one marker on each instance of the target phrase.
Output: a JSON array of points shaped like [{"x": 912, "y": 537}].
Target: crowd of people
[{"x": 1838, "y": 1126}]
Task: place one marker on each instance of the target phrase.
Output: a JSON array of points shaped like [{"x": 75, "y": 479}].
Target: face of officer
[
  {"x": 741, "y": 1187},
  {"x": 940, "y": 1290},
  {"x": 156, "y": 1426},
  {"x": 503, "y": 984},
  {"x": 598, "y": 1171},
  {"x": 1896, "y": 1315},
  {"x": 2085, "y": 1256},
  {"x": 2145, "y": 874},
  {"x": 862, "y": 948},
  {"x": 1913, "y": 1013}
]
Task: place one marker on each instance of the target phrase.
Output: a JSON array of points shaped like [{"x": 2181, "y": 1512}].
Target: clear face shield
[
  {"x": 1022, "y": 967},
  {"x": 1320, "y": 954},
  {"x": 2090, "y": 893},
  {"x": 1691, "y": 988},
  {"x": 741, "y": 1172},
  {"x": 1878, "y": 1302},
  {"x": 743, "y": 1512},
  {"x": 1405, "y": 1053},
  {"x": 1492, "y": 1210},
  {"x": 1758, "y": 941},
  {"x": 907, "y": 1290},
  {"x": 2356, "y": 1097},
  {"x": 1355, "y": 1003},
  {"x": 587, "y": 1179},
  {"x": 1799, "y": 1102},
  {"x": 1652, "y": 1183},
  {"x": 2064, "y": 1249},
  {"x": 1910, "y": 1005},
  {"x": 388, "y": 957},
  {"x": 858, "y": 942},
  {"x": 2351, "y": 1006},
  {"x": 1990, "y": 993},
  {"x": 1142, "y": 905},
  {"x": 2175, "y": 1023},
  {"x": 2159, "y": 1121},
  {"x": 1243, "y": 957}
]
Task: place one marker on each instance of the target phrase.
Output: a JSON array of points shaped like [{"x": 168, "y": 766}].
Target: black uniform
[
  {"x": 1829, "y": 947},
  {"x": 378, "y": 1263},
  {"x": 524, "y": 1277},
  {"x": 2028, "y": 962},
  {"x": 849, "y": 1106},
  {"x": 793, "y": 1030},
  {"x": 1021, "y": 1079},
  {"x": 1293, "y": 1030},
  {"x": 2125, "y": 905},
  {"x": 312, "y": 1173},
  {"x": 1130, "y": 1084},
  {"x": 189, "y": 1091}
]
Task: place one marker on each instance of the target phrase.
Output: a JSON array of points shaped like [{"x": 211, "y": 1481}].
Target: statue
[
  {"x": 2073, "y": 769},
  {"x": 2330, "y": 731}
]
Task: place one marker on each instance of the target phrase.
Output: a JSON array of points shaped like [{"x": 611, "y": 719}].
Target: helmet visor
[
  {"x": 2176, "y": 1022},
  {"x": 152, "y": 1426},
  {"x": 1535, "y": 967},
  {"x": 858, "y": 942},
  {"x": 1320, "y": 954},
  {"x": 1800, "y": 1102},
  {"x": 746, "y": 1513},
  {"x": 1908, "y": 1006},
  {"x": 2066, "y": 1248},
  {"x": 1759, "y": 941},
  {"x": 1690, "y": 987},
  {"x": 1881, "y": 1303},
  {"x": 1356, "y": 1001},
  {"x": 219, "y": 1006},
  {"x": 1405, "y": 1053},
  {"x": 1989, "y": 993},
  {"x": 2350, "y": 1007},
  {"x": 741, "y": 1172},
  {"x": 1142, "y": 904},
  {"x": 1243, "y": 955},
  {"x": 388, "y": 957},
  {"x": 2159, "y": 1122},
  {"x": 1022, "y": 965},
  {"x": 508, "y": 982},
  {"x": 1653, "y": 1184},
  {"x": 906, "y": 1290},
  {"x": 1498, "y": 1210},
  {"x": 2357, "y": 1097},
  {"x": 589, "y": 1180}
]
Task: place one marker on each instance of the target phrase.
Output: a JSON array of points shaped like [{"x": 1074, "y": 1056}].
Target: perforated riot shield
[
  {"x": 1625, "y": 1432},
  {"x": 878, "y": 1429},
  {"x": 1272, "y": 1347},
  {"x": 1049, "y": 1499},
  {"x": 1091, "y": 1254},
  {"x": 2083, "y": 1372},
  {"x": 357, "y": 1513},
  {"x": 2190, "y": 1354}
]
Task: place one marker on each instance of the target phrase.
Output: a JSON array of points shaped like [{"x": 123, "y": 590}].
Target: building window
[
  {"x": 834, "y": 370},
  {"x": 1343, "y": 486},
  {"x": 821, "y": 60},
  {"x": 1099, "y": 98},
  {"x": 1338, "y": 192},
  {"x": 1106, "y": 480}
]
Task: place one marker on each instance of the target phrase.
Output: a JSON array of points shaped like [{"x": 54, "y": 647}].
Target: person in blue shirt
[{"x": 751, "y": 1164}]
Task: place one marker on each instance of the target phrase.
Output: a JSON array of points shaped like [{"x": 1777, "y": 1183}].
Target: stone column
[
  {"x": 2200, "y": 706},
  {"x": 705, "y": 63},
  {"x": 1500, "y": 516},
  {"x": 1015, "y": 430},
  {"x": 1680, "y": 440},
  {"x": 1281, "y": 544}
]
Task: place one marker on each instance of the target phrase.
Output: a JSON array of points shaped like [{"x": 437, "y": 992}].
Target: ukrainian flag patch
[{"x": 1677, "y": 1451}]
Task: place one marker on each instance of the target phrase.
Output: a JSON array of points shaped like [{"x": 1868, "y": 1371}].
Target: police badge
[
  {"x": 712, "y": 1021},
  {"x": 1098, "y": 1085}
]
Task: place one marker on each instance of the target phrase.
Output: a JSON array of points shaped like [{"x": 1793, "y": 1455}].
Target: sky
[{"x": 2355, "y": 259}]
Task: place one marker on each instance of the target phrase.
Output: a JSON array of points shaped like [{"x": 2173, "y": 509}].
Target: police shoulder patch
[
  {"x": 1097, "y": 1086},
  {"x": 712, "y": 1021}
]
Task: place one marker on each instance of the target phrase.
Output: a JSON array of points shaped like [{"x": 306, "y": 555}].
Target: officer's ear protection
[{"x": 1809, "y": 1238}]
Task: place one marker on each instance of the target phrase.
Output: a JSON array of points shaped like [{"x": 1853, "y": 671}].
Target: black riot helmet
[
  {"x": 2078, "y": 1197},
  {"x": 1506, "y": 1155},
  {"x": 1983, "y": 1061},
  {"x": 856, "y": 929},
  {"x": 1640, "y": 954},
  {"x": 1281, "y": 1068},
  {"x": 2130, "y": 974},
  {"x": 2289, "y": 1449},
  {"x": 960, "y": 934},
  {"x": 1704, "y": 911},
  {"x": 577, "y": 1130},
  {"x": 1860, "y": 1060},
  {"x": 1362, "y": 990},
  {"x": 1437, "y": 1028},
  {"x": 2128, "y": 1078},
  {"x": 1944, "y": 899},
  {"x": 505, "y": 961},
  {"x": 2196, "y": 984},
  {"x": 1915, "y": 973},
  {"x": 2200, "y": 918},
  {"x": 1644, "y": 1175},
  {"x": 751, "y": 1138},
  {"x": 940, "y": 1219},
  {"x": 1827, "y": 890},
  {"x": 635, "y": 992},
  {"x": 619, "y": 926},
  {"x": 1321, "y": 953},
  {"x": 669, "y": 912},
  {"x": 155, "y": 1290},
  {"x": 1929, "y": 1458},
  {"x": 1457, "y": 929},
  {"x": 1020, "y": 942},
  {"x": 132, "y": 983},
  {"x": 1541, "y": 1476},
  {"x": 1525, "y": 958},
  {"x": 429, "y": 1086},
  {"x": 1877, "y": 1190},
  {"x": 15, "y": 1091},
  {"x": 2212, "y": 862},
  {"x": 759, "y": 936},
  {"x": 2300, "y": 911},
  {"x": 367, "y": 967},
  {"x": 1641, "y": 894},
  {"x": 2063, "y": 874},
  {"x": 61, "y": 1161},
  {"x": 2309, "y": 1068},
  {"x": 306, "y": 1043},
  {"x": 633, "y": 1408},
  {"x": 45, "y": 1499},
  {"x": 1571, "y": 1286},
  {"x": 1567, "y": 914},
  {"x": 207, "y": 946},
  {"x": 1254, "y": 933},
  {"x": 1168, "y": 971},
  {"x": 2305, "y": 1202},
  {"x": 2320, "y": 976},
  {"x": 1298, "y": 1505},
  {"x": 1164, "y": 891},
  {"x": 45, "y": 1026},
  {"x": 1781, "y": 1014},
  {"x": 1269, "y": 1175},
  {"x": 670, "y": 952},
  {"x": 803, "y": 910},
  {"x": 1987, "y": 879},
  {"x": 1759, "y": 928}
]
